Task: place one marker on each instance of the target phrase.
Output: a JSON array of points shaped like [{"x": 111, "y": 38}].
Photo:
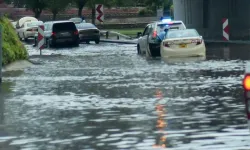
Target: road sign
[
  {"x": 40, "y": 38},
  {"x": 99, "y": 15},
  {"x": 1, "y": 54},
  {"x": 225, "y": 29}
]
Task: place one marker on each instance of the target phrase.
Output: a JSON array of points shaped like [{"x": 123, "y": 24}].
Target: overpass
[{"x": 206, "y": 16}]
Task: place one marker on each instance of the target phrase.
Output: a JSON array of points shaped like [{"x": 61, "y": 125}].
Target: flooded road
[{"x": 106, "y": 97}]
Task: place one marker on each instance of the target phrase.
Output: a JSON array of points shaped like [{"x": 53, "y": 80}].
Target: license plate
[
  {"x": 65, "y": 34},
  {"x": 183, "y": 45}
]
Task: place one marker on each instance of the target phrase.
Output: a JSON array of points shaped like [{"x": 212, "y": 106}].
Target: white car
[
  {"x": 28, "y": 30},
  {"x": 246, "y": 86},
  {"x": 151, "y": 38},
  {"x": 183, "y": 43},
  {"x": 77, "y": 20}
]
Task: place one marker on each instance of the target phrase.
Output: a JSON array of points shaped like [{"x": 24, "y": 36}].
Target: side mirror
[{"x": 139, "y": 34}]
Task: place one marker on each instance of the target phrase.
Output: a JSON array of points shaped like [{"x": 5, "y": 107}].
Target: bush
[
  {"x": 146, "y": 12},
  {"x": 13, "y": 49}
]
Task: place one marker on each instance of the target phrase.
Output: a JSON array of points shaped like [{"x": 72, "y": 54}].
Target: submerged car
[
  {"x": 60, "y": 32},
  {"x": 21, "y": 21},
  {"x": 183, "y": 43},
  {"x": 150, "y": 41},
  {"x": 28, "y": 30},
  {"x": 88, "y": 32}
]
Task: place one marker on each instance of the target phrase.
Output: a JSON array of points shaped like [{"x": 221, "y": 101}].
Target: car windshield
[
  {"x": 182, "y": 33},
  {"x": 47, "y": 27},
  {"x": 34, "y": 24},
  {"x": 171, "y": 25},
  {"x": 85, "y": 26}
]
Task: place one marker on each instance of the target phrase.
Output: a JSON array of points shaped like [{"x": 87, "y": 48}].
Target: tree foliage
[
  {"x": 37, "y": 6},
  {"x": 15, "y": 3},
  {"x": 56, "y": 6},
  {"x": 80, "y": 4}
]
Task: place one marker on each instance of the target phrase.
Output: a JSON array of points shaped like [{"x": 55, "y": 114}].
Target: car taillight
[
  {"x": 246, "y": 86},
  {"x": 199, "y": 42},
  {"x": 76, "y": 32},
  {"x": 53, "y": 34},
  {"x": 246, "y": 82},
  {"x": 154, "y": 35},
  {"x": 166, "y": 44}
]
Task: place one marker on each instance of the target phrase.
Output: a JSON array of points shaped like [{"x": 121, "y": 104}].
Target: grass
[
  {"x": 128, "y": 32},
  {"x": 12, "y": 47}
]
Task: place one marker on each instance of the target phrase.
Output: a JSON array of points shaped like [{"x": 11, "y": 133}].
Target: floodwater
[{"x": 106, "y": 97}]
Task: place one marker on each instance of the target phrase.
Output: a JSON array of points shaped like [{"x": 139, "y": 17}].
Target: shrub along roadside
[{"x": 13, "y": 49}]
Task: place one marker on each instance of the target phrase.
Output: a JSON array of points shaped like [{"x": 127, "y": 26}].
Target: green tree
[
  {"x": 154, "y": 4},
  {"x": 80, "y": 4},
  {"x": 56, "y": 6},
  {"x": 16, "y": 3},
  {"x": 127, "y": 3},
  {"x": 37, "y": 6}
]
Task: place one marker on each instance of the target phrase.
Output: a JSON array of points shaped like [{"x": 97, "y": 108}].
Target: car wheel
[
  {"x": 97, "y": 41},
  {"x": 138, "y": 49}
]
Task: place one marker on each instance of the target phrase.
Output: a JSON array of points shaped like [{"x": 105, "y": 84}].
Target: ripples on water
[{"x": 91, "y": 98}]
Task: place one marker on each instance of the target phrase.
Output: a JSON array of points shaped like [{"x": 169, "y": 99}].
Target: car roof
[{"x": 190, "y": 29}]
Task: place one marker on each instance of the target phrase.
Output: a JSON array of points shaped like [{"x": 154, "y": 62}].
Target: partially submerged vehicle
[
  {"x": 77, "y": 20},
  {"x": 20, "y": 22}
]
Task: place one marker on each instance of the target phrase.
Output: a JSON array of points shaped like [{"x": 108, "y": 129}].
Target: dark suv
[{"x": 61, "y": 32}]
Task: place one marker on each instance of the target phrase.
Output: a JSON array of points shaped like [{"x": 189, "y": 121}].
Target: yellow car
[{"x": 183, "y": 43}]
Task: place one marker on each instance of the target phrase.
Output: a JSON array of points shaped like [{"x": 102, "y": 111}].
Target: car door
[{"x": 144, "y": 38}]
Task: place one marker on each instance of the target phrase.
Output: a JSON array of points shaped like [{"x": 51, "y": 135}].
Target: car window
[
  {"x": 85, "y": 26},
  {"x": 47, "y": 27},
  {"x": 146, "y": 31},
  {"x": 182, "y": 33},
  {"x": 170, "y": 25},
  {"x": 65, "y": 26}
]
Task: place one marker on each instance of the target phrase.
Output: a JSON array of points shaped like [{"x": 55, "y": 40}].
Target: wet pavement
[{"x": 106, "y": 97}]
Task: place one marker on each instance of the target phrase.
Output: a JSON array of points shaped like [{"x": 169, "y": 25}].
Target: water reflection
[
  {"x": 183, "y": 60},
  {"x": 161, "y": 123},
  {"x": 5, "y": 88},
  {"x": 1, "y": 106}
]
